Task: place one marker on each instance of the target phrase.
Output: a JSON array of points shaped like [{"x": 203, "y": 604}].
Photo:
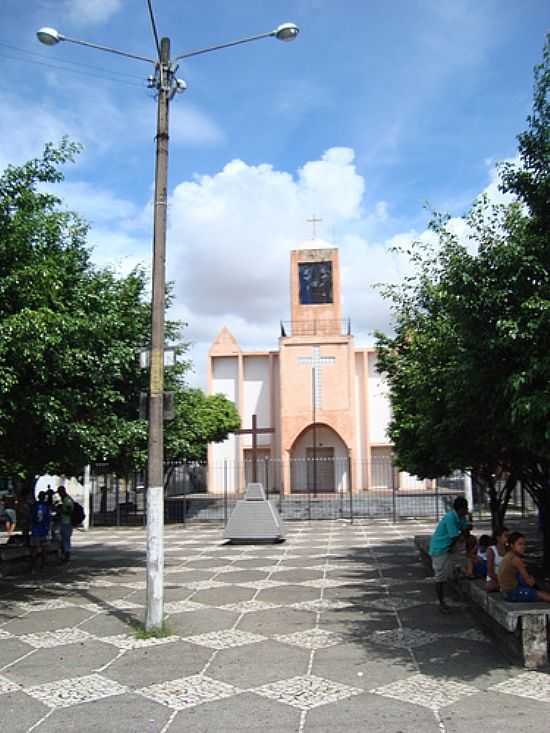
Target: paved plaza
[{"x": 333, "y": 630}]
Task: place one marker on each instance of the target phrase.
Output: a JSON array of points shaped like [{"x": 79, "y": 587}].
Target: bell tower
[{"x": 315, "y": 292}]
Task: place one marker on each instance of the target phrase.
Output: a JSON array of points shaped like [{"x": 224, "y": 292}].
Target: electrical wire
[
  {"x": 70, "y": 63},
  {"x": 154, "y": 26},
  {"x": 72, "y": 71}
]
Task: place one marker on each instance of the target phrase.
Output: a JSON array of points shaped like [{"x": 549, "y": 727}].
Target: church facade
[{"x": 319, "y": 406}]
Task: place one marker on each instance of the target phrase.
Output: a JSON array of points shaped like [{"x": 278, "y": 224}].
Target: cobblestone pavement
[{"x": 333, "y": 630}]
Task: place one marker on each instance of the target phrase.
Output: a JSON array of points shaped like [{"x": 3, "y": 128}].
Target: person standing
[
  {"x": 40, "y": 529},
  {"x": 66, "y": 525},
  {"x": 447, "y": 547}
]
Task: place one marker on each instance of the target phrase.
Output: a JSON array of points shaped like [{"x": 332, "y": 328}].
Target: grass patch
[{"x": 140, "y": 632}]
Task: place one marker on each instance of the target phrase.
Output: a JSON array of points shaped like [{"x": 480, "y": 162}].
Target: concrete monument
[{"x": 254, "y": 518}]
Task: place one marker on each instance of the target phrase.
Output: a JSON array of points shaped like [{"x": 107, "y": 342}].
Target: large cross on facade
[
  {"x": 317, "y": 361},
  {"x": 254, "y": 431},
  {"x": 313, "y": 221}
]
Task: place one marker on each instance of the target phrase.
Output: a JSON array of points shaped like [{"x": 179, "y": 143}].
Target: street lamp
[{"x": 166, "y": 84}]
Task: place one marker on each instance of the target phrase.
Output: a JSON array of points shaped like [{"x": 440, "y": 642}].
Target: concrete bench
[
  {"x": 17, "y": 557},
  {"x": 523, "y": 628}
]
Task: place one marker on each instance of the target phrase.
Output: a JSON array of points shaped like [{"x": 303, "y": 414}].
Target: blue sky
[{"x": 376, "y": 109}]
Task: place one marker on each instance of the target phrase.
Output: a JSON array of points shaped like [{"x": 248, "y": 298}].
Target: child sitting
[
  {"x": 495, "y": 555},
  {"x": 514, "y": 580},
  {"x": 480, "y": 562}
]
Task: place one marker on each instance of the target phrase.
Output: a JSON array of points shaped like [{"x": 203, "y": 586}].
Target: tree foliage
[
  {"x": 469, "y": 363},
  {"x": 69, "y": 336}
]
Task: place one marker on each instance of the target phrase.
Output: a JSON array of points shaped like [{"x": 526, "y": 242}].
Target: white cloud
[
  {"x": 91, "y": 115},
  {"x": 96, "y": 205},
  {"x": 118, "y": 250},
  {"x": 230, "y": 235},
  {"x": 88, "y": 12},
  {"x": 25, "y": 127},
  {"x": 492, "y": 190}
]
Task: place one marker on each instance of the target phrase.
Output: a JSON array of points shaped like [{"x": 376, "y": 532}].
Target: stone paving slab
[
  {"x": 21, "y": 711},
  {"x": 273, "y": 661},
  {"x": 278, "y": 621},
  {"x": 129, "y": 713},
  {"x": 360, "y": 713},
  {"x": 148, "y": 666},
  {"x": 50, "y": 665},
  {"x": 246, "y": 712},
  {"x": 334, "y": 630}
]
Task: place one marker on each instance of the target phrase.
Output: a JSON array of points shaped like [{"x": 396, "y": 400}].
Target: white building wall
[
  {"x": 379, "y": 405},
  {"x": 359, "y": 410},
  {"x": 225, "y": 380},
  {"x": 379, "y": 418},
  {"x": 257, "y": 398}
]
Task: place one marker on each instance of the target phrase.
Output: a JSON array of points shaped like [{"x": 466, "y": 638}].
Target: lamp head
[
  {"x": 286, "y": 32},
  {"x": 49, "y": 36}
]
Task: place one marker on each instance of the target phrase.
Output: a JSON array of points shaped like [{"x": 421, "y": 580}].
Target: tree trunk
[
  {"x": 494, "y": 505},
  {"x": 168, "y": 476},
  {"x": 504, "y": 500}
]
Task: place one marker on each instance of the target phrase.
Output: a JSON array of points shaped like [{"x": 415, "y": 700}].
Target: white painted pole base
[
  {"x": 468, "y": 490},
  {"x": 155, "y": 558},
  {"x": 86, "y": 499}
]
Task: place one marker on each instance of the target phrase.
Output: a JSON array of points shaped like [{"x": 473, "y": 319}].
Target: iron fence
[{"x": 306, "y": 489}]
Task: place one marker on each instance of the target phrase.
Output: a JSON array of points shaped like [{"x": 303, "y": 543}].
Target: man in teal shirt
[{"x": 443, "y": 547}]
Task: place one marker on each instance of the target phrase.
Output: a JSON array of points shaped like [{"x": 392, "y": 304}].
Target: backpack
[
  {"x": 78, "y": 514},
  {"x": 40, "y": 515}
]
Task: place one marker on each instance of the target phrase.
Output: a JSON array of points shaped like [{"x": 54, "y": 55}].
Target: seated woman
[
  {"x": 514, "y": 580},
  {"x": 495, "y": 555},
  {"x": 8, "y": 519}
]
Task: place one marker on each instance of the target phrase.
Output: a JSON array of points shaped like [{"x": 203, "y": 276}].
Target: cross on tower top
[{"x": 314, "y": 221}]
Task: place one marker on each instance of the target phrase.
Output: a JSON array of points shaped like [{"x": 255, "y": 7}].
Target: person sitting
[
  {"x": 514, "y": 580},
  {"x": 495, "y": 555},
  {"x": 8, "y": 519},
  {"x": 40, "y": 529},
  {"x": 480, "y": 563},
  {"x": 447, "y": 547}
]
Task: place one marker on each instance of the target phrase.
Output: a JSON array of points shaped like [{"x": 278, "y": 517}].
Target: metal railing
[
  {"x": 324, "y": 488},
  {"x": 316, "y": 327}
]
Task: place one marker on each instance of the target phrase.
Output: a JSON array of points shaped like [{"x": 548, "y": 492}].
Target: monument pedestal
[{"x": 254, "y": 519}]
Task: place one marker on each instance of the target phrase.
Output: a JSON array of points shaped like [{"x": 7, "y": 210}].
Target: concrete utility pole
[
  {"x": 155, "y": 465},
  {"x": 167, "y": 85}
]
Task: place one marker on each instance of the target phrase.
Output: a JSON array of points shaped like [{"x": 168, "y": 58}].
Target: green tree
[
  {"x": 69, "y": 335},
  {"x": 199, "y": 420},
  {"x": 530, "y": 320},
  {"x": 443, "y": 364},
  {"x": 529, "y": 385},
  {"x": 469, "y": 364}
]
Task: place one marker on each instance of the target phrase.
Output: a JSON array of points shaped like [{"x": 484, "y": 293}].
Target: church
[{"x": 314, "y": 412}]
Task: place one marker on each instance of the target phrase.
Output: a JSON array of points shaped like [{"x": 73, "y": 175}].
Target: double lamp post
[{"x": 167, "y": 85}]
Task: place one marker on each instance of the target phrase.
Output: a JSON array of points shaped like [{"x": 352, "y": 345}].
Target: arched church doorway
[{"x": 319, "y": 461}]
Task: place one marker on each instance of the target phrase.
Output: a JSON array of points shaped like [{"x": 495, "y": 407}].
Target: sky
[{"x": 377, "y": 111}]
